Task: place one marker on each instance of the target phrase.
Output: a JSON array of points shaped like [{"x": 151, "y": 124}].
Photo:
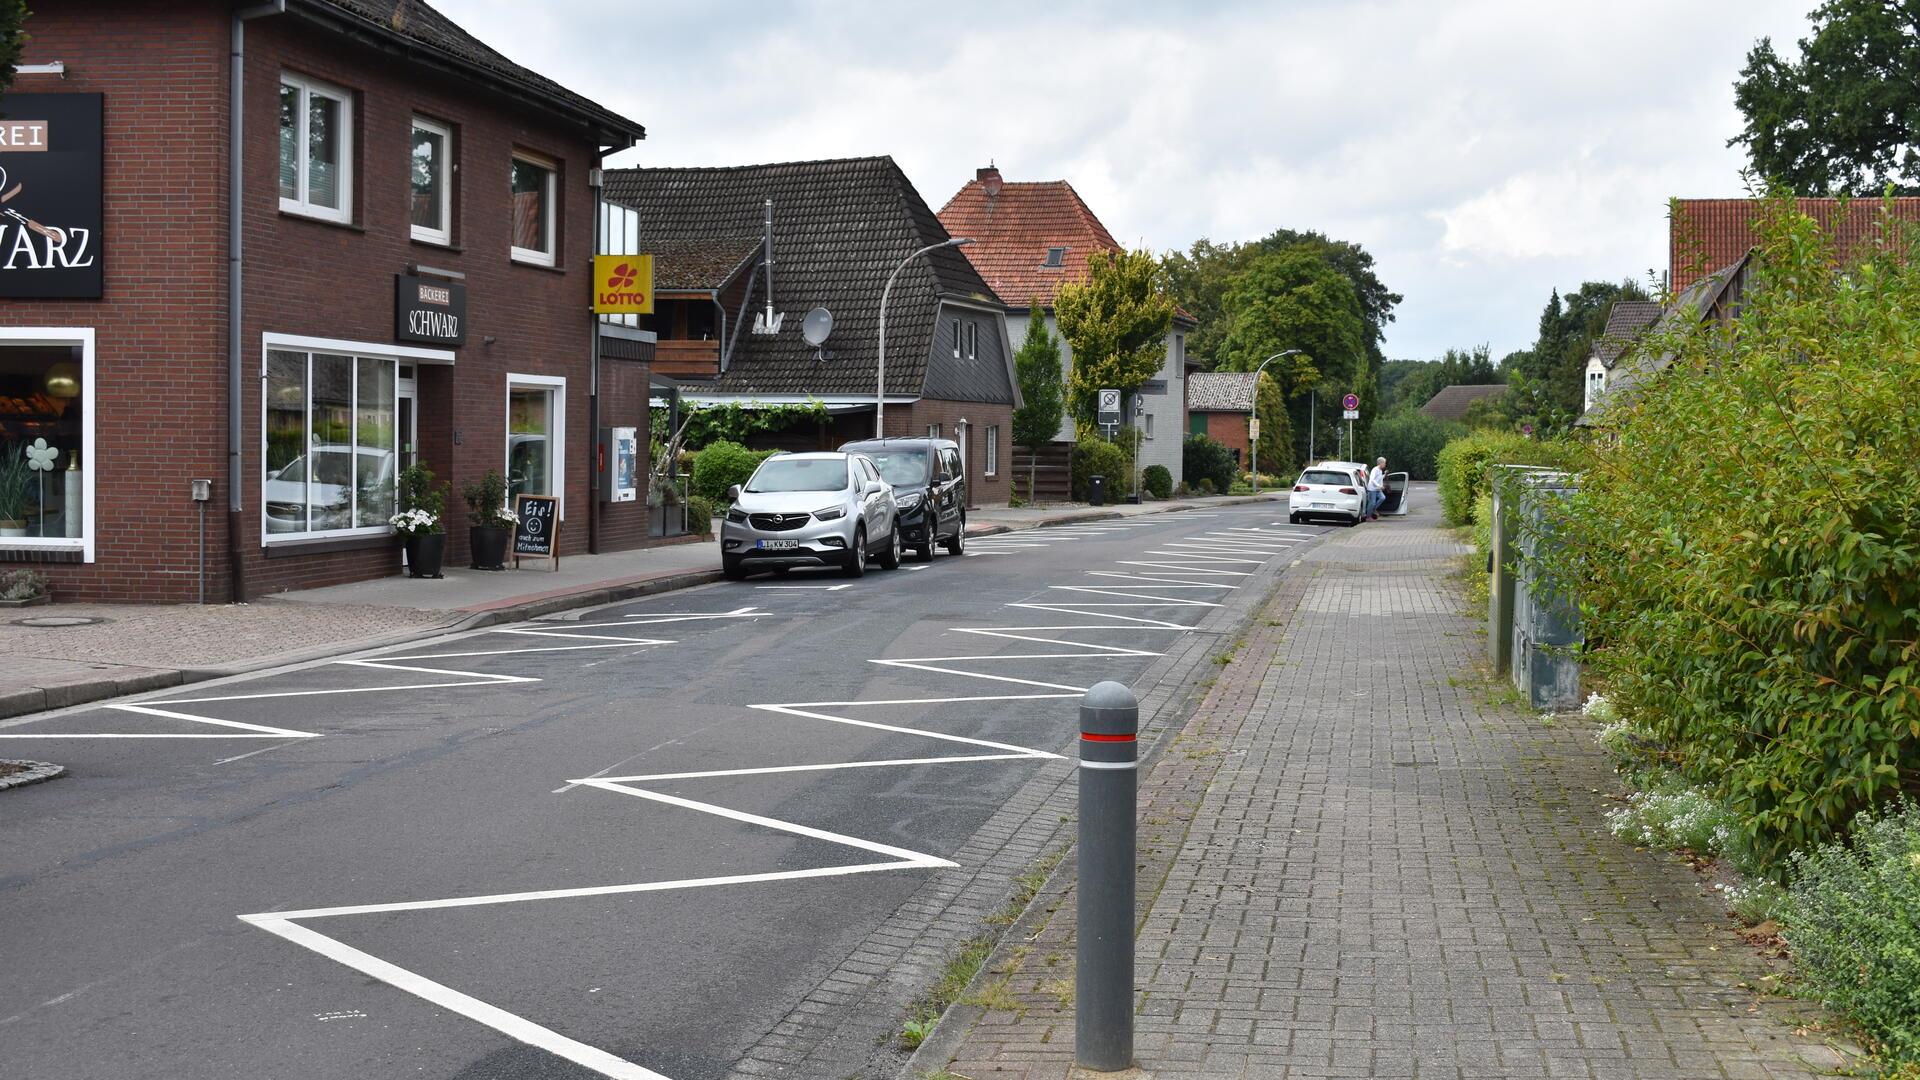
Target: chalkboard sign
[{"x": 538, "y": 531}]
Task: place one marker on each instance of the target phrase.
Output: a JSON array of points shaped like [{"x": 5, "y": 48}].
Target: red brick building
[
  {"x": 408, "y": 248},
  {"x": 1219, "y": 404}
]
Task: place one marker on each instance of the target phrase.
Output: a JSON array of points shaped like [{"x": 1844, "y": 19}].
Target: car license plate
[
  {"x": 1323, "y": 506},
  {"x": 777, "y": 545}
]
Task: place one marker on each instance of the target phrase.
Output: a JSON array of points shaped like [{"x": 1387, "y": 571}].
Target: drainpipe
[
  {"x": 236, "y": 363},
  {"x": 768, "y": 240},
  {"x": 594, "y": 176}
]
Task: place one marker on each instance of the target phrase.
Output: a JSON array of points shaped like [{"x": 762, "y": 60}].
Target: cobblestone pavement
[{"x": 1375, "y": 871}]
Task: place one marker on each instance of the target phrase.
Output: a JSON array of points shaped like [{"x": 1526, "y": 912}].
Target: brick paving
[{"x": 1355, "y": 865}]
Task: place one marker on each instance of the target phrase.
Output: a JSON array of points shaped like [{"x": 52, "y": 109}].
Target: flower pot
[
  {"x": 425, "y": 554},
  {"x": 489, "y": 546}
]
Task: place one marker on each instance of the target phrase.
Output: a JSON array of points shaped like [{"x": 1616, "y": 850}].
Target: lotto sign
[
  {"x": 1350, "y": 402},
  {"x": 623, "y": 284}
]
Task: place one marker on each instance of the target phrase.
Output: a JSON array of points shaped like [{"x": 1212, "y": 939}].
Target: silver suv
[{"x": 810, "y": 510}]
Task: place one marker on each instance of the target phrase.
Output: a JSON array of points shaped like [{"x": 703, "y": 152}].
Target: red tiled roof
[
  {"x": 1013, "y": 228},
  {"x": 1706, "y": 235}
]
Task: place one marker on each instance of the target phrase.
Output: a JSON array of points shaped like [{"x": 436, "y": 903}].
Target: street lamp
[
  {"x": 1253, "y": 413},
  {"x": 880, "y": 373}
]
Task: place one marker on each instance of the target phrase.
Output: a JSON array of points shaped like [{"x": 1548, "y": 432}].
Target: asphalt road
[{"x": 391, "y": 866}]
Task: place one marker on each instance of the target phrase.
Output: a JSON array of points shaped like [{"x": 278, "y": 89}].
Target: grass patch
[
  {"x": 925, "y": 1011},
  {"x": 996, "y": 996}
]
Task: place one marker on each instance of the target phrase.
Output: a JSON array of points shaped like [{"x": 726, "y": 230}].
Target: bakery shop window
[{"x": 45, "y": 436}]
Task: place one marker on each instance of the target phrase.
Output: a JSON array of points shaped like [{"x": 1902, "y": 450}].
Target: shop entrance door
[{"x": 408, "y": 436}]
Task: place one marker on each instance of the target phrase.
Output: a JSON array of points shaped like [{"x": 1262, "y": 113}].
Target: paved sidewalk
[
  {"x": 117, "y": 649},
  {"x": 1353, "y": 865}
]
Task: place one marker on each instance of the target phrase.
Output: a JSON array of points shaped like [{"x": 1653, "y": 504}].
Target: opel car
[{"x": 825, "y": 509}]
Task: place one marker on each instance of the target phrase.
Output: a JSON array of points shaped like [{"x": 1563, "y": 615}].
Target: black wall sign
[
  {"x": 50, "y": 208},
  {"x": 429, "y": 310},
  {"x": 539, "y": 522}
]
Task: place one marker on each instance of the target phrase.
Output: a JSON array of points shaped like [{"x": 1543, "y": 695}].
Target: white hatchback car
[{"x": 1331, "y": 489}]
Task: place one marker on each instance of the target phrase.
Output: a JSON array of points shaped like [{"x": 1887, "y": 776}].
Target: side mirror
[
  {"x": 873, "y": 486},
  {"x": 733, "y": 494}
]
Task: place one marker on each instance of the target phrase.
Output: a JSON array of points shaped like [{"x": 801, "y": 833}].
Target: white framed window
[
  {"x": 1146, "y": 431},
  {"x": 430, "y": 182},
  {"x": 956, "y": 339},
  {"x": 533, "y": 187},
  {"x": 1596, "y": 385},
  {"x": 537, "y": 437},
  {"x": 316, "y": 149},
  {"x": 973, "y": 340},
  {"x": 46, "y": 439},
  {"x": 933, "y": 431},
  {"x": 992, "y": 466}
]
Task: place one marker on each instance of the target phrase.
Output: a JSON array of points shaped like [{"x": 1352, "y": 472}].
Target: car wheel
[
  {"x": 856, "y": 564},
  {"x": 890, "y": 558},
  {"x": 1293, "y": 519},
  {"x": 1352, "y": 521},
  {"x": 958, "y": 545},
  {"x": 732, "y": 570}
]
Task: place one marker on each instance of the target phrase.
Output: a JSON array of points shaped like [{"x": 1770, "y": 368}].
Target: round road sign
[{"x": 1351, "y": 401}]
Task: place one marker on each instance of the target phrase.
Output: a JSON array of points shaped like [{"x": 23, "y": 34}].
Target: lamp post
[
  {"x": 880, "y": 373},
  {"x": 1253, "y": 413}
]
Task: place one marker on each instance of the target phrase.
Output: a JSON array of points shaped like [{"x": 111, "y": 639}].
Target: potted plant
[
  {"x": 420, "y": 523},
  {"x": 23, "y": 588},
  {"x": 491, "y": 522},
  {"x": 16, "y": 487}
]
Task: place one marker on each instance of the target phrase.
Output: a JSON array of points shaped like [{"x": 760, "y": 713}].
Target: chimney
[{"x": 989, "y": 178}]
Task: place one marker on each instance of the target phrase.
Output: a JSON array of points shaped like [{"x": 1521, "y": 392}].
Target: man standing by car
[{"x": 1376, "y": 488}]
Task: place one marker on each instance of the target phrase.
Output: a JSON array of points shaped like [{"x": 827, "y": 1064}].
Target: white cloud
[{"x": 1484, "y": 151}]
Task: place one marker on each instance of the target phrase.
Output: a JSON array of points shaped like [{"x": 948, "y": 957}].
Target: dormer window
[{"x": 1056, "y": 256}]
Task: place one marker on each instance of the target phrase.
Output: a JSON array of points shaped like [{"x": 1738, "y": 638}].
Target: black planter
[
  {"x": 426, "y": 552},
  {"x": 489, "y": 545}
]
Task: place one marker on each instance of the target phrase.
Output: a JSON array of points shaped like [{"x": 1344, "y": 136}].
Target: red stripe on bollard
[{"x": 1088, "y": 736}]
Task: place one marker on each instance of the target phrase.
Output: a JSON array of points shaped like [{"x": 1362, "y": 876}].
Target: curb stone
[{"x": 37, "y": 772}]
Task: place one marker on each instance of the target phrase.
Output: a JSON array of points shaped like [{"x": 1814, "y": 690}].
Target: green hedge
[
  {"x": 1098, "y": 457},
  {"x": 700, "y": 515},
  {"x": 720, "y": 465},
  {"x": 1462, "y": 465},
  {"x": 1158, "y": 481},
  {"x": 1411, "y": 442},
  {"x": 1746, "y": 546},
  {"x": 1203, "y": 459}
]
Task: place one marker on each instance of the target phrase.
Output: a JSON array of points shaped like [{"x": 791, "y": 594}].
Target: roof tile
[{"x": 1013, "y": 227}]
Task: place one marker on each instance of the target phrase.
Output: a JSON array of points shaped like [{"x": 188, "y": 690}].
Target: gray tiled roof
[
  {"x": 1624, "y": 324},
  {"x": 418, "y": 26},
  {"x": 839, "y": 228},
  {"x": 700, "y": 264},
  {"x": 1220, "y": 391},
  {"x": 1451, "y": 402}
]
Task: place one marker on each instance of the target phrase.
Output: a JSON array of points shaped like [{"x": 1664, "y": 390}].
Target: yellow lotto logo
[{"x": 623, "y": 284}]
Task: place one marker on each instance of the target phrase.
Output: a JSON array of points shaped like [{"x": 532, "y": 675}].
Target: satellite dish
[{"x": 816, "y": 326}]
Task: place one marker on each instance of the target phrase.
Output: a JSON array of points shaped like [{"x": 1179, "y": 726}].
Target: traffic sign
[
  {"x": 1253, "y": 428},
  {"x": 1350, "y": 414},
  {"x": 1350, "y": 403},
  {"x": 1109, "y": 406}
]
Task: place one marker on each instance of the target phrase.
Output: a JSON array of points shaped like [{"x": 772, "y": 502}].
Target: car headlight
[
  {"x": 737, "y": 516},
  {"x": 830, "y": 513},
  {"x": 908, "y": 501}
]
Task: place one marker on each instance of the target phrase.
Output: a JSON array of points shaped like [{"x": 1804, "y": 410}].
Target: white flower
[{"x": 40, "y": 456}]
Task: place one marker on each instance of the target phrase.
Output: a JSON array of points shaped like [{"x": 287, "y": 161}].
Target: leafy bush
[
  {"x": 419, "y": 491},
  {"x": 1744, "y": 550},
  {"x": 1669, "y": 814},
  {"x": 1098, "y": 457},
  {"x": 1853, "y": 923},
  {"x": 700, "y": 514},
  {"x": 486, "y": 500},
  {"x": 1462, "y": 466},
  {"x": 1411, "y": 442},
  {"x": 722, "y": 464},
  {"x": 1204, "y": 486},
  {"x": 1158, "y": 481},
  {"x": 1209, "y": 462},
  {"x": 22, "y": 584}
]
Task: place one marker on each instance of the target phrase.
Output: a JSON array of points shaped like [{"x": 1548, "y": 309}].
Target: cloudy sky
[{"x": 1485, "y": 151}]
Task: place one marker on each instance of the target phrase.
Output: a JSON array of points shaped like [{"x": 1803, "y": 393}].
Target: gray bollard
[{"x": 1103, "y": 977}]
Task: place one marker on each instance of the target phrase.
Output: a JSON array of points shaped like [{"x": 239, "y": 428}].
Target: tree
[
  {"x": 1117, "y": 321},
  {"x": 13, "y": 38},
  {"x": 1292, "y": 299},
  {"x": 1547, "y": 381},
  {"x": 1201, "y": 277},
  {"x": 1037, "y": 366},
  {"x": 1843, "y": 118},
  {"x": 1275, "y": 444},
  {"x": 1409, "y": 384}
]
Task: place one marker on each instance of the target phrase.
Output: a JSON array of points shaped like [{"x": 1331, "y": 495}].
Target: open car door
[{"x": 1396, "y": 500}]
